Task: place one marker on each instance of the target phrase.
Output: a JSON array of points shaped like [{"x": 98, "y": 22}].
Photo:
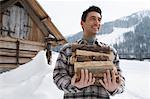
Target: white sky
[{"x": 66, "y": 14}]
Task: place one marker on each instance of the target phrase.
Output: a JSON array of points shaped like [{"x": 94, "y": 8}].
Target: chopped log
[
  {"x": 97, "y": 71},
  {"x": 92, "y": 58},
  {"x": 90, "y": 53},
  {"x": 83, "y": 55},
  {"x": 96, "y": 59},
  {"x": 93, "y": 48},
  {"x": 97, "y": 68},
  {"x": 93, "y": 64},
  {"x": 94, "y": 69}
]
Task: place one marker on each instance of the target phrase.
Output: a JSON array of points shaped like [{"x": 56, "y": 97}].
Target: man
[{"x": 64, "y": 76}]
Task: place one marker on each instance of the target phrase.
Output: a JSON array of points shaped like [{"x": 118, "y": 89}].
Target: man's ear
[{"x": 81, "y": 24}]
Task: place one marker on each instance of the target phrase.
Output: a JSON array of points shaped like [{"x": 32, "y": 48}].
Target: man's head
[
  {"x": 90, "y": 9},
  {"x": 90, "y": 21}
]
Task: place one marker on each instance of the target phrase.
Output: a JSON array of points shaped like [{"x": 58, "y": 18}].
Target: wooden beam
[
  {"x": 23, "y": 46},
  {"x": 21, "y": 51},
  {"x": 12, "y": 60},
  {"x": 28, "y": 55},
  {"x": 52, "y": 28},
  {"x": 9, "y": 43},
  {"x": 54, "y": 41},
  {"x": 7, "y": 4},
  {"x": 35, "y": 5},
  {"x": 8, "y": 66}
]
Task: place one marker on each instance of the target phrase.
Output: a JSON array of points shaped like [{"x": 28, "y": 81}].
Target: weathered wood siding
[
  {"x": 16, "y": 52},
  {"x": 16, "y": 23}
]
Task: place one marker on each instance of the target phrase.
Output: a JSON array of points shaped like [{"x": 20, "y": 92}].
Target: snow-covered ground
[{"x": 34, "y": 80}]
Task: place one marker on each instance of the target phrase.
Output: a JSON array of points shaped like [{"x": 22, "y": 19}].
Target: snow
[
  {"x": 139, "y": 15},
  {"x": 34, "y": 80},
  {"x": 137, "y": 74},
  {"x": 142, "y": 14},
  {"x": 115, "y": 36},
  {"x": 30, "y": 81}
]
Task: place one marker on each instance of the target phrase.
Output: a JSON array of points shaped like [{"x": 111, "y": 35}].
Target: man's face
[{"x": 92, "y": 23}]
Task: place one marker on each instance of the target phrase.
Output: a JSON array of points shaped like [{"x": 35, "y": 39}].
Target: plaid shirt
[{"x": 64, "y": 71}]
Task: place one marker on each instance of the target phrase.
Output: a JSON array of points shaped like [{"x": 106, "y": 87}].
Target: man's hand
[
  {"x": 85, "y": 80},
  {"x": 110, "y": 81}
]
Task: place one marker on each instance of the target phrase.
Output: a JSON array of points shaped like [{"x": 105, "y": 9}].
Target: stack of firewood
[{"x": 96, "y": 59}]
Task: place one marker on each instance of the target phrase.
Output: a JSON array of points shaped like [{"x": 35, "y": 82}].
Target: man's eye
[
  {"x": 94, "y": 18},
  {"x": 99, "y": 19}
]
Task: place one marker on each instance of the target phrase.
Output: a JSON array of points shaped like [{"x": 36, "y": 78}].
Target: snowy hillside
[
  {"x": 34, "y": 80},
  {"x": 115, "y": 37},
  {"x": 139, "y": 15}
]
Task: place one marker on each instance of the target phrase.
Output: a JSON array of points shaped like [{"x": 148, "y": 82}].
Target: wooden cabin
[{"x": 25, "y": 29}]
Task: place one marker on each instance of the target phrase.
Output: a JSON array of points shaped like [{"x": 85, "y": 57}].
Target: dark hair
[{"x": 90, "y": 9}]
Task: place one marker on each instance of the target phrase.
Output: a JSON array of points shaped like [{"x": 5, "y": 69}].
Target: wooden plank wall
[
  {"x": 16, "y": 23},
  {"x": 16, "y": 52}
]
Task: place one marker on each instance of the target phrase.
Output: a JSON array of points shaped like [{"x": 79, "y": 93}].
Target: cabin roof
[{"x": 40, "y": 17}]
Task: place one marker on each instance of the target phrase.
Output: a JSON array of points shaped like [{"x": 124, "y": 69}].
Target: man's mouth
[{"x": 96, "y": 28}]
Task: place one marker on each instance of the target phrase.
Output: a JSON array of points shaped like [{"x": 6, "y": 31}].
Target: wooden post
[
  {"x": 48, "y": 53},
  {"x": 17, "y": 52}
]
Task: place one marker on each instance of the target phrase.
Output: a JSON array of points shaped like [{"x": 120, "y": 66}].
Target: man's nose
[{"x": 97, "y": 22}]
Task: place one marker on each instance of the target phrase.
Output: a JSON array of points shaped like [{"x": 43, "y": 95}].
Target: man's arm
[
  {"x": 121, "y": 87},
  {"x": 110, "y": 82},
  {"x": 61, "y": 72}
]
